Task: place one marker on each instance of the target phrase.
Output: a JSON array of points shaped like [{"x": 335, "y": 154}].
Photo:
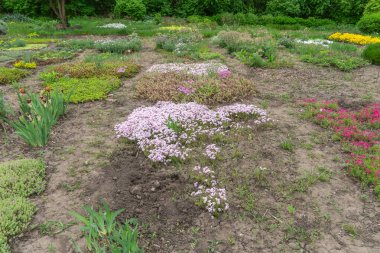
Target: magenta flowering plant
[
  {"x": 359, "y": 131},
  {"x": 121, "y": 70},
  {"x": 224, "y": 73},
  {"x": 152, "y": 127},
  {"x": 185, "y": 90}
]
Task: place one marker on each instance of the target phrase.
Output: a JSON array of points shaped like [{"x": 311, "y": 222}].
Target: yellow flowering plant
[
  {"x": 25, "y": 65},
  {"x": 175, "y": 28},
  {"x": 354, "y": 38}
]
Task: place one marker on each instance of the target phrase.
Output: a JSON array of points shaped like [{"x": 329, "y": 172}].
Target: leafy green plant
[
  {"x": 132, "y": 8},
  {"x": 287, "y": 145},
  {"x": 80, "y": 90},
  {"x": 8, "y": 75},
  {"x": 78, "y": 44},
  {"x": 21, "y": 178},
  {"x": 372, "y": 53},
  {"x": 370, "y": 23},
  {"x": 373, "y": 6},
  {"x": 3, "y": 27},
  {"x": 38, "y": 117},
  {"x": 250, "y": 59},
  {"x": 103, "y": 233},
  {"x": 286, "y": 42}
]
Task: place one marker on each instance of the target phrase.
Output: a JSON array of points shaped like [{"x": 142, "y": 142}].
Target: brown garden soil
[{"x": 86, "y": 162}]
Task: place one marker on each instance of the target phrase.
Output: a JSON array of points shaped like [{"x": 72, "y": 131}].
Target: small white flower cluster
[
  {"x": 113, "y": 26},
  {"x": 213, "y": 198},
  {"x": 195, "y": 68},
  {"x": 211, "y": 151},
  {"x": 320, "y": 42}
]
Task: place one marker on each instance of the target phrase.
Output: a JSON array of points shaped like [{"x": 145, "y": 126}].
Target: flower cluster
[
  {"x": 354, "y": 38},
  {"x": 185, "y": 90},
  {"x": 163, "y": 131},
  {"x": 359, "y": 131},
  {"x": 212, "y": 151},
  {"x": 224, "y": 73},
  {"x": 210, "y": 196},
  {"x": 175, "y": 28},
  {"x": 195, "y": 68},
  {"x": 320, "y": 42},
  {"x": 25, "y": 65},
  {"x": 113, "y": 26}
]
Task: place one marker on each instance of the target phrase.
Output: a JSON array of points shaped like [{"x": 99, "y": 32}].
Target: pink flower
[
  {"x": 224, "y": 73},
  {"x": 185, "y": 90},
  {"x": 121, "y": 70}
]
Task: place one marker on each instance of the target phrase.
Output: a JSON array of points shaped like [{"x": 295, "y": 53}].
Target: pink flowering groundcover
[{"x": 359, "y": 133}]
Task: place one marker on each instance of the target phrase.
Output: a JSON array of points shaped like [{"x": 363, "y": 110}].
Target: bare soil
[{"x": 86, "y": 162}]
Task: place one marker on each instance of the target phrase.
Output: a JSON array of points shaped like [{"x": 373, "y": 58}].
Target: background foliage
[{"x": 339, "y": 10}]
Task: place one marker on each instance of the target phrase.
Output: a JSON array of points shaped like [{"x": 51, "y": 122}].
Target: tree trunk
[{"x": 59, "y": 10}]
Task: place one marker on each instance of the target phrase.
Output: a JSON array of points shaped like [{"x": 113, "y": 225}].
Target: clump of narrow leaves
[
  {"x": 37, "y": 117},
  {"x": 103, "y": 233}
]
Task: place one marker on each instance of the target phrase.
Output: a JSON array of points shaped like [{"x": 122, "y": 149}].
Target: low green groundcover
[
  {"x": 8, "y": 75},
  {"x": 18, "y": 180},
  {"x": 21, "y": 178},
  {"x": 86, "y": 89}
]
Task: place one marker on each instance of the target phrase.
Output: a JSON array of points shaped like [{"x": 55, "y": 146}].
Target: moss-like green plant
[
  {"x": 18, "y": 180},
  {"x": 8, "y": 75},
  {"x": 372, "y": 53},
  {"x": 86, "y": 89},
  {"x": 95, "y": 69},
  {"x": 16, "y": 213},
  {"x": 21, "y": 178},
  {"x": 4, "y": 247}
]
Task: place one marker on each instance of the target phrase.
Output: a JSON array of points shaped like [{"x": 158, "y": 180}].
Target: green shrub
[
  {"x": 119, "y": 46},
  {"x": 86, "y": 89},
  {"x": 284, "y": 7},
  {"x": 39, "y": 114},
  {"x": 16, "y": 17},
  {"x": 27, "y": 7},
  {"x": 373, "y": 6},
  {"x": 286, "y": 42},
  {"x": 16, "y": 213},
  {"x": 8, "y": 75},
  {"x": 3, "y": 27},
  {"x": 91, "y": 69},
  {"x": 21, "y": 178},
  {"x": 180, "y": 43},
  {"x": 370, "y": 23},
  {"x": 235, "y": 41},
  {"x": 78, "y": 44},
  {"x": 131, "y": 8},
  {"x": 250, "y": 59},
  {"x": 372, "y": 53}
]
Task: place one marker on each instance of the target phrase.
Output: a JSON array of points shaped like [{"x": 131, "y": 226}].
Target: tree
[{"x": 58, "y": 7}]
